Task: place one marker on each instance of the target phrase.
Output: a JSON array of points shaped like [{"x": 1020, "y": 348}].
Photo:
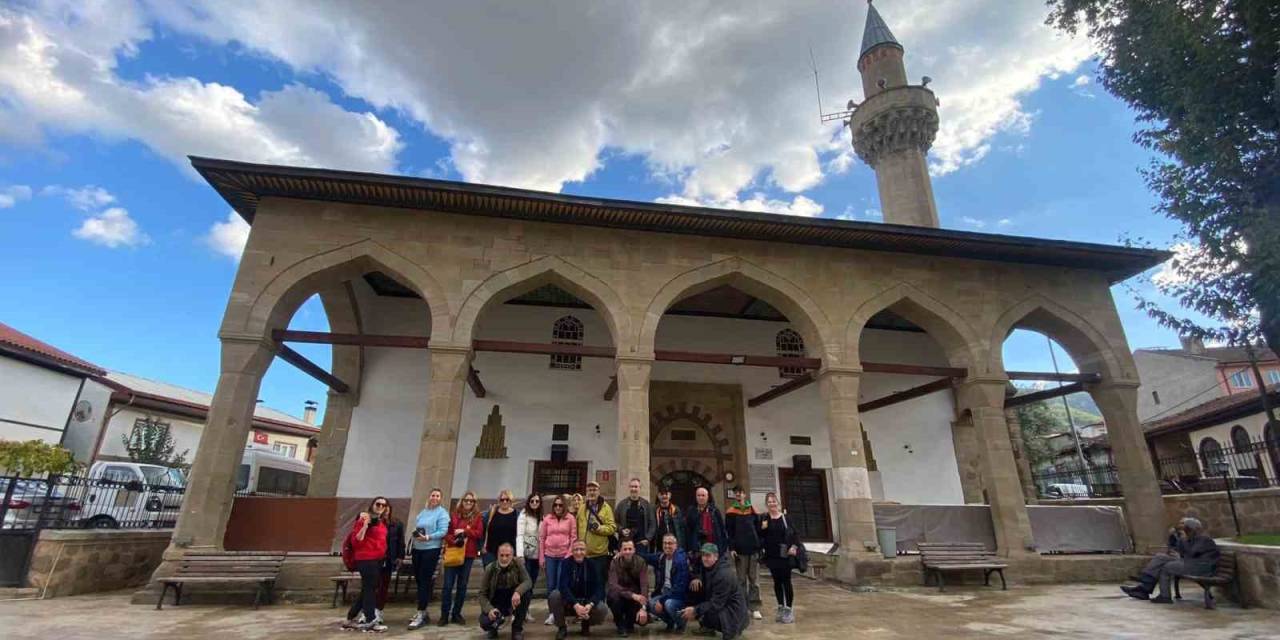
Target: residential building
[{"x": 1174, "y": 380}]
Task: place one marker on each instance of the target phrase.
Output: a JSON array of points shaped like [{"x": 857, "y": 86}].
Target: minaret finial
[{"x": 876, "y": 32}]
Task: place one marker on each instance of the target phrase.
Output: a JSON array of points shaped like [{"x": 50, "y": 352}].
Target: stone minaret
[{"x": 894, "y": 127}]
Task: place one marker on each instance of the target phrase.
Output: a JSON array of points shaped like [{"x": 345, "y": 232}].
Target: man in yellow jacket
[{"x": 595, "y": 527}]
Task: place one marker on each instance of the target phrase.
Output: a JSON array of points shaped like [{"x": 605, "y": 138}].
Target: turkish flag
[{"x": 259, "y": 437}]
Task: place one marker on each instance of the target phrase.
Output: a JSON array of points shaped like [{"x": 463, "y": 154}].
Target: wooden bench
[
  {"x": 1224, "y": 576},
  {"x": 225, "y": 567},
  {"x": 341, "y": 582},
  {"x": 941, "y": 557}
]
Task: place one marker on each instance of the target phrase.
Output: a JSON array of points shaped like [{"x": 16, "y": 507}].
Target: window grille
[
  {"x": 567, "y": 330},
  {"x": 790, "y": 345}
]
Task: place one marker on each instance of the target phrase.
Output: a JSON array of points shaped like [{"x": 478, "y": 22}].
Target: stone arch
[
  {"x": 660, "y": 420},
  {"x": 793, "y": 301},
  {"x": 276, "y": 303},
  {"x": 500, "y": 286},
  {"x": 948, "y": 328},
  {"x": 1086, "y": 345}
]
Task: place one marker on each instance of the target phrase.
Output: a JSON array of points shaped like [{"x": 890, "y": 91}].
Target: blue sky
[{"x": 125, "y": 258}]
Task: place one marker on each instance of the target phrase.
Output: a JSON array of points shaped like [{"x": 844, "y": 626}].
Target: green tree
[
  {"x": 1202, "y": 77},
  {"x": 150, "y": 442},
  {"x": 35, "y": 457},
  {"x": 1038, "y": 421}
]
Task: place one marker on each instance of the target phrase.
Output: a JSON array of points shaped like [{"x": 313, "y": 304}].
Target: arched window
[
  {"x": 1211, "y": 457},
  {"x": 790, "y": 345},
  {"x": 1240, "y": 440},
  {"x": 1271, "y": 439},
  {"x": 1242, "y": 451},
  {"x": 567, "y": 330}
]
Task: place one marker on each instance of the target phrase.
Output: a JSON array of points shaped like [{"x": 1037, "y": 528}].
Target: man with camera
[
  {"x": 596, "y": 526},
  {"x": 505, "y": 592}
]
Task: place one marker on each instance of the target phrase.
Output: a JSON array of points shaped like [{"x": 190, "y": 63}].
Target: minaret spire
[{"x": 876, "y": 32}]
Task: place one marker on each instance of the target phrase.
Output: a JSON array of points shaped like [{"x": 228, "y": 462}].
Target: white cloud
[
  {"x": 228, "y": 238},
  {"x": 12, "y": 194},
  {"x": 86, "y": 198},
  {"x": 112, "y": 228},
  {"x": 57, "y": 73},
  {"x": 1081, "y": 81},
  {"x": 973, "y": 222},
  {"x": 716, "y": 97},
  {"x": 797, "y": 206}
]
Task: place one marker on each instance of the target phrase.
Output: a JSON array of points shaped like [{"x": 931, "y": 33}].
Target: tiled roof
[
  {"x": 199, "y": 400},
  {"x": 21, "y": 344},
  {"x": 1221, "y": 354},
  {"x": 1212, "y": 412}
]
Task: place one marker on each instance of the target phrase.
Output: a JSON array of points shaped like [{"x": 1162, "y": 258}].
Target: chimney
[
  {"x": 1194, "y": 346},
  {"x": 309, "y": 412}
]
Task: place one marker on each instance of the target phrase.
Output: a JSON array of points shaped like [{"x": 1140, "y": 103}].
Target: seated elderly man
[{"x": 1191, "y": 553}]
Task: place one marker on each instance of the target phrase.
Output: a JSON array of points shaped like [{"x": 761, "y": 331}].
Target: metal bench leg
[
  {"x": 940, "y": 585},
  {"x": 986, "y": 578},
  {"x": 1177, "y": 587},
  {"x": 1208, "y": 597},
  {"x": 164, "y": 588},
  {"x": 257, "y": 596},
  {"x": 1004, "y": 586},
  {"x": 334, "y": 604},
  {"x": 271, "y": 592}
]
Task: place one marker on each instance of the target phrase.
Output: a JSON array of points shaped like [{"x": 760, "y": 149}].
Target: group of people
[{"x": 598, "y": 560}]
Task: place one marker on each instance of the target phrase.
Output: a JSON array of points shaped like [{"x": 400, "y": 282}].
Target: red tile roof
[
  {"x": 29, "y": 348},
  {"x": 1212, "y": 412}
]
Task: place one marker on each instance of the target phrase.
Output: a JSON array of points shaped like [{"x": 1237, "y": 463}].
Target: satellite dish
[{"x": 82, "y": 411}]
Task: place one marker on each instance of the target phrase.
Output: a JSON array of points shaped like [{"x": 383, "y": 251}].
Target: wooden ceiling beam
[
  {"x": 612, "y": 390},
  {"x": 1047, "y": 394},
  {"x": 1053, "y": 377},
  {"x": 354, "y": 339},
  {"x": 908, "y": 394},
  {"x": 782, "y": 389},
  {"x": 310, "y": 368},
  {"x": 914, "y": 369},
  {"x": 473, "y": 381}
]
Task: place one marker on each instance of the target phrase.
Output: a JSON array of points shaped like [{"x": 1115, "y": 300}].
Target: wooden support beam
[
  {"x": 909, "y": 394},
  {"x": 1047, "y": 394},
  {"x": 914, "y": 369},
  {"x": 782, "y": 389},
  {"x": 612, "y": 390},
  {"x": 1053, "y": 377},
  {"x": 473, "y": 381},
  {"x": 355, "y": 339},
  {"x": 310, "y": 368},
  {"x": 505, "y": 346}
]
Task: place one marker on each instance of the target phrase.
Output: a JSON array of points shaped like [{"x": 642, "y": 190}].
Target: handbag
[
  {"x": 800, "y": 561},
  {"x": 454, "y": 556}
]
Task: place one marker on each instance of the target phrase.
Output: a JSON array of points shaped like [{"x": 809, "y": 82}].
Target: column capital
[
  {"x": 977, "y": 392},
  {"x": 246, "y": 353},
  {"x": 445, "y": 347},
  {"x": 634, "y": 359},
  {"x": 838, "y": 371}
]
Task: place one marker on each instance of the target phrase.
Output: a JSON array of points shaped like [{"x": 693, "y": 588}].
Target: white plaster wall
[
  {"x": 82, "y": 435},
  {"x": 1253, "y": 424},
  {"x": 185, "y": 432},
  {"x": 386, "y": 427},
  {"x": 34, "y": 401},
  {"x": 1181, "y": 382},
  {"x": 532, "y": 397}
]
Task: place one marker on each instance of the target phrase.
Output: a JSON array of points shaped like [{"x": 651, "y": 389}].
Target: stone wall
[
  {"x": 70, "y": 562},
  {"x": 1258, "y": 568},
  {"x": 905, "y": 571},
  {"x": 1258, "y": 510}
]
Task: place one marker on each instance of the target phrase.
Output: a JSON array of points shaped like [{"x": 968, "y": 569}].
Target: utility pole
[
  {"x": 1075, "y": 436},
  {"x": 1262, "y": 387}
]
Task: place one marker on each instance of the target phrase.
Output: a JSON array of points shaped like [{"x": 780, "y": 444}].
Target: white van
[
  {"x": 131, "y": 493},
  {"x": 264, "y": 472}
]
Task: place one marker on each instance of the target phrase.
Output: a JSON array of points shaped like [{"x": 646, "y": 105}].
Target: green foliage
[
  {"x": 1270, "y": 539},
  {"x": 35, "y": 458},
  {"x": 1048, "y": 417},
  {"x": 149, "y": 442},
  {"x": 1202, "y": 77}
]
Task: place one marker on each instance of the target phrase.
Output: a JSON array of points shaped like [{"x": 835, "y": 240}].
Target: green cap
[{"x": 710, "y": 547}]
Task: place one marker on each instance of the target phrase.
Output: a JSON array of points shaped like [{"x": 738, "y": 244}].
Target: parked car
[
  {"x": 138, "y": 494},
  {"x": 27, "y": 503},
  {"x": 1060, "y": 490},
  {"x": 265, "y": 472}
]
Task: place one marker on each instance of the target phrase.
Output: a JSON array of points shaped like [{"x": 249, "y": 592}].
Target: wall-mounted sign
[
  {"x": 764, "y": 453},
  {"x": 763, "y": 478}
]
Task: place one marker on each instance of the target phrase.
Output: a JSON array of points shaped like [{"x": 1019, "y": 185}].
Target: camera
[{"x": 419, "y": 532}]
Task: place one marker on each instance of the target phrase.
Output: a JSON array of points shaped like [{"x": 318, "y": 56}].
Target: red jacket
[
  {"x": 374, "y": 545},
  {"x": 473, "y": 530}
]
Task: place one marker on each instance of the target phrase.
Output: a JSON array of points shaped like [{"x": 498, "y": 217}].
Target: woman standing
[
  {"x": 555, "y": 542},
  {"x": 781, "y": 546},
  {"x": 395, "y": 554},
  {"x": 465, "y": 530},
  {"x": 529, "y": 535},
  {"x": 430, "y": 529},
  {"x": 500, "y": 525},
  {"x": 368, "y": 542}
]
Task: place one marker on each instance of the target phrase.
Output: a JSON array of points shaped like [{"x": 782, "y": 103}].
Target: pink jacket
[{"x": 557, "y": 536}]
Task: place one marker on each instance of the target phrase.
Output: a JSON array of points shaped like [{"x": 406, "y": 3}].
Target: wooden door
[{"x": 804, "y": 496}]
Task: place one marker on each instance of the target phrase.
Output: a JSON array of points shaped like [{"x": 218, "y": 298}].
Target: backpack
[{"x": 349, "y": 552}]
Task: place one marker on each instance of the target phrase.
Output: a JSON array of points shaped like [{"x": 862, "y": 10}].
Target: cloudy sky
[{"x": 126, "y": 257}]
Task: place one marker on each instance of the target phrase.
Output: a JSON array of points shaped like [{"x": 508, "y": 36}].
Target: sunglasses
[
  {"x": 504, "y": 499},
  {"x": 535, "y": 501},
  {"x": 379, "y": 504},
  {"x": 468, "y": 499},
  {"x": 558, "y": 504}
]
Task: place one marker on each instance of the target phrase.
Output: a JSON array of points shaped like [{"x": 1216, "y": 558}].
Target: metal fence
[
  {"x": 78, "y": 501},
  {"x": 1214, "y": 468}
]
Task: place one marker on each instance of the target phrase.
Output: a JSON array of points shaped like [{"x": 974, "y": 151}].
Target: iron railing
[
  {"x": 78, "y": 501},
  {"x": 1252, "y": 466}
]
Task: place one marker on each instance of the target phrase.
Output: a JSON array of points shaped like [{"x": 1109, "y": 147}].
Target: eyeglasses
[
  {"x": 558, "y": 505},
  {"x": 504, "y": 499},
  {"x": 535, "y": 501},
  {"x": 468, "y": 499},
  {"x": 379, "y": 504}
]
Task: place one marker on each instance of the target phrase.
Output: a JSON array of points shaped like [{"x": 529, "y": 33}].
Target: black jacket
[
  {"x": 577, "y": 582},
  {"x": 742, "y": 527},
  {"x": 724, "y": 600},
  {"x": 395, "y": 544},
  {"x": 693, "y": 535}
]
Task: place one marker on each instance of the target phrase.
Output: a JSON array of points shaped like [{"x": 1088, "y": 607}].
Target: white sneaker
[
  {"x": 755, "y": 615},
  {"x": 418, "y": 620},
  {"x": 551, "y": 619},
  {"x": 372, "y": 627},
  {"x": 377, "y": 616}
]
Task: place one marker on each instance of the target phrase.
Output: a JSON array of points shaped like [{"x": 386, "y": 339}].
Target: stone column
[
  {"x": 964, "y": 439},
  {"x": 1020, "y": 455},
  {"x": 211, "y": 484},
  {"x": 326, "y": 469},
  {"x": 439, "y": 447},
  {"x": 633, "y": 423},
  {"x": 984, "y": 399},
  {"x": 1143, "y": 504},
  {"x": 851, "y": 484}
]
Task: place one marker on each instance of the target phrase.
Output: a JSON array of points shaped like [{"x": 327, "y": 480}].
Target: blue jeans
[
  {"x": 451, "y": 600},
  {"x": 553, "y": 573},
  {"x": 600, "y": 565},
  {"x": 424, "y": 573},
  {"x": 531, "y": 565},
  {"x": 671, "y": 607}
]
